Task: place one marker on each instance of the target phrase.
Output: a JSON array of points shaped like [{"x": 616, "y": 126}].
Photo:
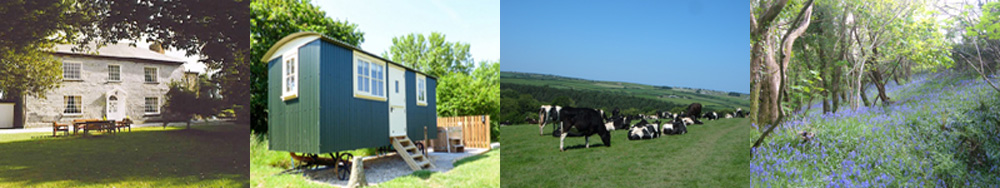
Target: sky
[
  {"x": 698, "y": 44},
  {"x": 474, "y": 22}
]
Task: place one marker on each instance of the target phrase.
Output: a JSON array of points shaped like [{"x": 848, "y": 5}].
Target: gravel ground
[{"x": 388, "y": 167}]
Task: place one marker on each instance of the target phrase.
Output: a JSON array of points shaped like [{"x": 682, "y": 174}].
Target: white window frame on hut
[
  {"x": 421, "y": 90},
  {"x": 290, "y": 75},
  {"x": 369, "y": 77}
]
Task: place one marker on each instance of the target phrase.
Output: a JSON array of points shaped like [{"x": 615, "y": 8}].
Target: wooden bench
[
  {"x": 56, "y": 127},
  {"x": 123, "y": 124},
  {"x": 91, "y": 124}
]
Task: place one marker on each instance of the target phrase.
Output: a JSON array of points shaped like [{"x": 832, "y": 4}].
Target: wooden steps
[{"x": 409, "y": 152}]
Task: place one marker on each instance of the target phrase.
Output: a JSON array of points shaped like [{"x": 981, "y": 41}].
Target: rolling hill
[{"x": 521, "y": 93}]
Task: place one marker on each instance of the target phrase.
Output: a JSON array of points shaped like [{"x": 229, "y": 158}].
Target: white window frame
[
  {"x": 145, "y": 105},
  {"x": 79, "y": 105},
  {"x": 119, "y": 73},
  {"x": 421, "y": 86},
  {"x": 372, "y": 81},
  {"x": 155, "y": 77},
  {"x": 291, "y": 57},
  {"x": 79, "y": 71}
]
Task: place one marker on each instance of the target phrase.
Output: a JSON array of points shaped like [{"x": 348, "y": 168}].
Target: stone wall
[{"x": 41, "y": 112}]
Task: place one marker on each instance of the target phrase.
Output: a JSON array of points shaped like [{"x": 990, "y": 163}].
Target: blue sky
[
  {"x": 474, "y": 22},
  {"x": 700, "y": 44}
]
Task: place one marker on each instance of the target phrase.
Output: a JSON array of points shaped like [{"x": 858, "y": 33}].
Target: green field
[
  {"x": 710, "y": 155},
  {"x": 711, "y": 99},
  {"x": 203, "y": 156}
]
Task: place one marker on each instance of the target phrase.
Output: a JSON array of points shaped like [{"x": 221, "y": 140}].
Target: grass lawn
[
  {"x": 476, "y": 171},
  {"x": 710, "y": 155},
  {"x": 204, "y": 156}
]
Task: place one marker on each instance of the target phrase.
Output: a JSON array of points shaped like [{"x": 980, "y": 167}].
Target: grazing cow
[
  {"x": 694, "y": 110},
  {"x": 586, "y": 121},
  {"x": 549, "y": 114},
  {"x": 643, "y": 130},
  {"x": 728, "y": 116},
  {"x": 711, "y": 116}
]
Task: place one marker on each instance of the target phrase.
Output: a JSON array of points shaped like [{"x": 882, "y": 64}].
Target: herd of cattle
[{"x": 588, "y": 121}]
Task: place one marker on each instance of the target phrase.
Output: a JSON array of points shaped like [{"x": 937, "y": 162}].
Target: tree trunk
[
  {"x": 864, "y": 97},
  {"x": 759, "y": 35},
  {"x": 770, "y": 112},
  {"x": 19, "y": 115}
]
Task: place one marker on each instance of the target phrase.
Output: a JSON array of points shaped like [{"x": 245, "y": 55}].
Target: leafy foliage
[
  {"x": 33, "y": 27},
  {"x": 185, "y": 100},
  {"x": 432, "y": 54},
  {"x": 272, "y": 20}
]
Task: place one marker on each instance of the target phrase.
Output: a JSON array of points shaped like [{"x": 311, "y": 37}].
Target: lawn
[
  {"x": 476, "y": 171},
  {"x": 204, "y": 156},
  {"x": 941, "y": 132},
  {"x": 710, "y": 155}
]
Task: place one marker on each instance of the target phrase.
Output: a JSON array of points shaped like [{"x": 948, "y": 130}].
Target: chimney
[{"x": 156, "y": 47}]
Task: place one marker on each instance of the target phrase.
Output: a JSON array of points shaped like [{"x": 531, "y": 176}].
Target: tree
[
  {"x": 768, "y": 110},
  {"x": 563, "y": 101},
  {"x": 272, "y": 20},
  {"x": 213, "y": 29},
  {"x": 432, "y": 54},
  {"x": 33, "y": 27},
  {"x": 186, "y": 100}
]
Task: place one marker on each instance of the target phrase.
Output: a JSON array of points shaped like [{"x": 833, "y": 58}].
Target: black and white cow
[
  {"x": 687, "y": 120},
  {"x": 729, "y": 115},
  {"x": 548, "y": 114},
  {"x": 711, "y": 116},
  {"x": 644, "y": 130},
  {"x": 740, "y": 113},
  {"x": 674, "y": 128},
  {"x": 586, "y": 122}
]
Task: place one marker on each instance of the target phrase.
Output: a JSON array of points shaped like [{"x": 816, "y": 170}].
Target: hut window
[
  {"x": 421, "y": 90},
  {"x": 369, "y": 78},
  {"x": 73, "y": 105},
  {"x": 290, "y": 76},
  {"x": 71, "y": 71}
]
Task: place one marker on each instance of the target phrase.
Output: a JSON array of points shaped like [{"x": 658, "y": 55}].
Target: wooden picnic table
[{"x": 88, "y": 124}]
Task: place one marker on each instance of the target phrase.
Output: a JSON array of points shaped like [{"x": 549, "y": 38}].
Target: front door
[
  {"x": 115, "y": 108},
  {"x": 397, "y": 100}
]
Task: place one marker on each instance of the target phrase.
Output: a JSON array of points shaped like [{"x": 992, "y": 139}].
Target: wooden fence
[{"x": 475, "y": 129}]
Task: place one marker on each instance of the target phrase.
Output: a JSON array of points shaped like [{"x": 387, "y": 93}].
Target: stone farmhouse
[{"x": 114, "y": 82}]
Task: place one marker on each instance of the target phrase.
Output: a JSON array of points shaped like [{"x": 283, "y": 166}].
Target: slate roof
[{"x": 121, "y": 51}]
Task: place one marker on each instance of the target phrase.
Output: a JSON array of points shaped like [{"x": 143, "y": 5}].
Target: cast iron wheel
[{"x": 344, "y": 171}]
